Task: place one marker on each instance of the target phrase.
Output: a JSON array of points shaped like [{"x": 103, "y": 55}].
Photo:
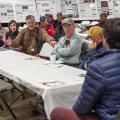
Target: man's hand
[
  {"x": 68, "y": 46},
  {"x": 53, "y": 43}
]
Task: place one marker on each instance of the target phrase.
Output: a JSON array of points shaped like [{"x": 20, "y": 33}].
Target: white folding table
[{"x": 59, "y": 85}]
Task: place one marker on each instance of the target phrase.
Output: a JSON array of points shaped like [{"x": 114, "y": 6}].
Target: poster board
[
  {"x": 6, "y": 12},
  {"x": 45, "y": 7},
  {"x": 88, "y": 10},
  {"x": 116, "y": 4},
  {"x": 70, "y": 8},
  {"x": 77, "y": 9},
  {"x": 107, "y": 7},
  {"x": 15, "y": 9},
  {"x": 22, "y": 10}
]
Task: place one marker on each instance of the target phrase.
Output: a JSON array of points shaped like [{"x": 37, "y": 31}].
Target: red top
[{"x": 50, "y": 29}]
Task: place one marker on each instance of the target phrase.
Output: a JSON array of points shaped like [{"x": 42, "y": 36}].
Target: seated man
[
  {"x": 31, "y": 38},
  {"x": 96, "y": 35},
  {"x": 68, "y": 48},
  {"x": 100, "y": 95}
]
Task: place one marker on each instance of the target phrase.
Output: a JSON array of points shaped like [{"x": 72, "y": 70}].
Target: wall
[{"x": 77, "y": 9}]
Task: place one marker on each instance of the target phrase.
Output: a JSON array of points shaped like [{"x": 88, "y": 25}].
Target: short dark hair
[
  {"x": 29, "y": 17},
  {"x": 111, "y": 31},
  {"x": 59, "y": 13},
  {"x": 11, "y": 22},
  {"x": 103, "y": 14}
]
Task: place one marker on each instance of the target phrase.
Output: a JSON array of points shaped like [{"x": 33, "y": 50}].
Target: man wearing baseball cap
[{"x": 68, "y": 48}]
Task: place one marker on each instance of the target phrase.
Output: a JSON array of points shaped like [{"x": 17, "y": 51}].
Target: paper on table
[
  {"x": 53, "y": 84},
  {"x": 57, "y": 63},
  {"x": 46, "y": 50},
  {"x": 81, "y": 75}
]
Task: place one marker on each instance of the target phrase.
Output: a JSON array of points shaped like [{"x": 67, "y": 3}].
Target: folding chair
[{"x": 5, "y": 86}]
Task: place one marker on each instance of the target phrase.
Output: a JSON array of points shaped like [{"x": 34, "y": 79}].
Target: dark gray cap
[{"x": 68, "y": 21}]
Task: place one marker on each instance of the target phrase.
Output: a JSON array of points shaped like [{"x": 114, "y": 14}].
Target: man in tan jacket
[{"x": 31, "y": 38}]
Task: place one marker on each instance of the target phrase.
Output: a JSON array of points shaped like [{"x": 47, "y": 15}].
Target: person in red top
[{"x": 47, "y": 26}]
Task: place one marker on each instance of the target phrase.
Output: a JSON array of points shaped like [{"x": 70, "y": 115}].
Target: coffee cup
[{"x": 52, "y": 59}]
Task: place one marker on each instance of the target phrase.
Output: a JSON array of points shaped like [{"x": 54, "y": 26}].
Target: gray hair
[{"x": 28, "y": 17}]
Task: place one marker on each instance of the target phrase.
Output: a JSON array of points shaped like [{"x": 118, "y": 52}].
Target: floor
[{"x": 22, "y": 108}]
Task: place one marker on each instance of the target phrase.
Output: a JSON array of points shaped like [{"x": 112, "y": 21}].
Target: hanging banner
[
  {"x": 46, "y": 7},
  {"x": 116, "y": 4}
]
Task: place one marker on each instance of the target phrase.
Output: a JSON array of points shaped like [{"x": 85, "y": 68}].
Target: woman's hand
[{"x": 8, "y": 42}]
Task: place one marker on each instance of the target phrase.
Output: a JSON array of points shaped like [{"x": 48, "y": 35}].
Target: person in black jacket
[
  {"x": 12, "y": 33},
  {"x": 99, "y": 98},
  {"x": 59, "y": 31},
  {"x": 103, "y": 18},
  {"x": 58, "y": 20}
]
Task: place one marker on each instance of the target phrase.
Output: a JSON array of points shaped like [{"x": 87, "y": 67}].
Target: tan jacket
[{"x": 27, "y": 39}]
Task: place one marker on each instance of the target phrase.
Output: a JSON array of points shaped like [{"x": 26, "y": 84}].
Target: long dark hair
[
  {"x": 10, "y": 33},
  {"x": 11, "y": 22}
]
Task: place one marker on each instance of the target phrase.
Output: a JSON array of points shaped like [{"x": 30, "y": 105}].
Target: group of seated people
[
  {"x": 99, "y": 98},
  {"x": 100, "y": 95},
  {"x": 68, "y": 44}
]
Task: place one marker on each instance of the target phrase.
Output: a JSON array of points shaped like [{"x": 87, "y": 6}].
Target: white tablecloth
[{"x": 58, "y": 85}]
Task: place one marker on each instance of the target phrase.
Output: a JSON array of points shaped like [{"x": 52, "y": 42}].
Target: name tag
[{"x": 32, "y": 49}]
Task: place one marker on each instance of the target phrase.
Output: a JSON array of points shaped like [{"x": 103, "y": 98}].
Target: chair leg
[
  {"x": 41, "y": 102},
  {"x": 10, "y": 110},
  {"x": 21, "y": 94}
]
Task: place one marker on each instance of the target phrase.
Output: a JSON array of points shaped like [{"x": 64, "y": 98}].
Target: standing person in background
[
  {"x": 47, "y": 26},
  {"x": 103, "y": 18},
  {"x": 31, "y": 39},
  {"x": 12, "y": 33},
  {"x": 49, "y": 18},
  {"x": 59, "y": 31},
  {"x": 58, "y": 20}
]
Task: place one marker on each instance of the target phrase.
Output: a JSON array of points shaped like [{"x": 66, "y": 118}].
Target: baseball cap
[
  {"x": 42, "y": 18},
  {"x": 68, "y": 21}
]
